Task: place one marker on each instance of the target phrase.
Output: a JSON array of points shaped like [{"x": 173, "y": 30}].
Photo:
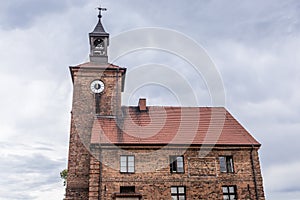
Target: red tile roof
[
  {"x": 97, "y": 65},
  {"x": 171, "y": 125}
]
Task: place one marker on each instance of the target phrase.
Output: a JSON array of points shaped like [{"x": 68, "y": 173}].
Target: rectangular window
[
  {"x": 178, "y": 192},
  {"x": 226, "y": 164},
  {"x": 229, "y": 192},
  {"x": 176, "y": 164},
  {"x": 127, "y": 164},
  {"x": 127, "y": 189}
]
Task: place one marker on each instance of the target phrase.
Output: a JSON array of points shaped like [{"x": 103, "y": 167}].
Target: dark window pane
[
  {"x": 127, "y": 189},
  {"x": 229, "y": 192},
  {"x": 123, "y": 169},
  {"x": 178, "y": 192},
  {"x": 222, "y": 164},
  {"x": 179, "y": 159},
  {"x": 173, "y": 167},
  {"x": 225, "y": 197},
  {"x": 176, "y": 164},
  {"x": 179, "y": 164},
  {"x": 232, "y": 197},
  {"x": 181, "y": 197},
  {"x": 231, "y": 189},
  {"x": 181, "y": 190},
  {"x": 225, "y": 189},
  {"x": 173, "y": 190},
  {"x": 229, "y": 164},
  {"x": 226, "y": 163},
  {"x": 130, "y": 169},
  {"x": 130, "y": 158},
  {"x": 123, "y": 159}
]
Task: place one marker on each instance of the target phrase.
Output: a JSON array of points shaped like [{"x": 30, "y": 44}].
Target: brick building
[{"x": 152, "y": 152}]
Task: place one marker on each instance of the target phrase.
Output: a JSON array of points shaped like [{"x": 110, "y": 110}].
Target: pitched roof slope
[
  {"x": 171, "y": 125},
  {"x": 97, "y": 66}
]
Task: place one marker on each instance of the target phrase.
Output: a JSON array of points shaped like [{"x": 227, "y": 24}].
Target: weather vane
[{"x": 101, "y": 9}]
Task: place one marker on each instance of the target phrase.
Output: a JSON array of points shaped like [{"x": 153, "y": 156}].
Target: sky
[{"x": 254, "y": 46}]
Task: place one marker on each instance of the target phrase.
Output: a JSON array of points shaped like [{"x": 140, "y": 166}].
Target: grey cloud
[
  {"x": 245, "y": 20},
  {"x": 36, "y": 163},
  {"x": 17, "y": 196},
  {"x": 44, "y": 149},
  {"x": 27, "y": 173},
  {"x": 22, "y": 14},
  {"x": 267, "y": 34}
]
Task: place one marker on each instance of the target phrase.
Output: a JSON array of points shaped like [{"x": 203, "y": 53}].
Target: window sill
[
  {"x": 177, "y": 172},
  {"x": 127, "y": 195}
]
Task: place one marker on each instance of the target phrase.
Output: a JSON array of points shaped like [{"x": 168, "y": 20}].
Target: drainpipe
[
  {"x": 100, "y": 173},
  {"x": 117, "y": 93},
  {"x": 254, "y": 173}
]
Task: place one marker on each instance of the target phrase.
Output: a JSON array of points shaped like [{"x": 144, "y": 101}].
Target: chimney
[{"x": 142, "y": 104}]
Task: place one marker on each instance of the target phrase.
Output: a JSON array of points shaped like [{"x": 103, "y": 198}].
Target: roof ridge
[{"x": 93, "y": 64}]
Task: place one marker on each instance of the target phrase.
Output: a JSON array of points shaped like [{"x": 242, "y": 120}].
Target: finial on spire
[
  {"x": 101, "y": 9},
  {"x": 99, "y": 28}
]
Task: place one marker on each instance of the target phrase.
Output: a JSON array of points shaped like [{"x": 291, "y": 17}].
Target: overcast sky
[{"x": 254, "y": 44}]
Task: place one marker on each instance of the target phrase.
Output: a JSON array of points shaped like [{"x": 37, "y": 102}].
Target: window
[
  {"x": 127, "y": 164},
  {"x": 226, "y": 163},
  {"x": 178, "y": 192},
  {"x": 176, "y": 164},
  {"x": 229, "y": 192},
  {"x": 127, "y": 189}
]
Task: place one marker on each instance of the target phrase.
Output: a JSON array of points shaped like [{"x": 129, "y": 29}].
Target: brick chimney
[{"x": 142, "y": 104}]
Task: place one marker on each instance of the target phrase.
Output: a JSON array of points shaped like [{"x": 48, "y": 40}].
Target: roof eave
[{"x": 177, "y": 145}]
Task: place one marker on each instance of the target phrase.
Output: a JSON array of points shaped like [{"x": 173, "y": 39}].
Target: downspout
[
  {"x": 117, "y": 93},
  {"x": 118, "y": 111},
  {"x": 100, "y": 172},
  {"x": 254, "y": 173}
]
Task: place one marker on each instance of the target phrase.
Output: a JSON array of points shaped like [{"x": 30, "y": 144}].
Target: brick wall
[
  {"x": 83, "y": 114},
  {"x": 202, "y": 177}
]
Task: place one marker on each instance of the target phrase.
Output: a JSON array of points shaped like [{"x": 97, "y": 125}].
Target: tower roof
[{"x": 99, "y": 29}]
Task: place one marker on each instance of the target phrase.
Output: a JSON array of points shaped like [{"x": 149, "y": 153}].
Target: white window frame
[{"x": 127, "y": 164}]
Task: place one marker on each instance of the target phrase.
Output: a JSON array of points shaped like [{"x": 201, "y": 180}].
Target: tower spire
[
  {"x": 99, "y": 27},
  {"x": 99, "y": 41}
]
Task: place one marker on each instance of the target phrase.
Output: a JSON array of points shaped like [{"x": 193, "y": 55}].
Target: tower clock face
[{"x": 97, "y": 86}]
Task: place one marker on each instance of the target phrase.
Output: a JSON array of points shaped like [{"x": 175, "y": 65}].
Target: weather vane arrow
[{"x": 100, "y": 10}]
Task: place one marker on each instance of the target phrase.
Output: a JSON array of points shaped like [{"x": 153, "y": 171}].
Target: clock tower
[{"x": 97, "y": 88}]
